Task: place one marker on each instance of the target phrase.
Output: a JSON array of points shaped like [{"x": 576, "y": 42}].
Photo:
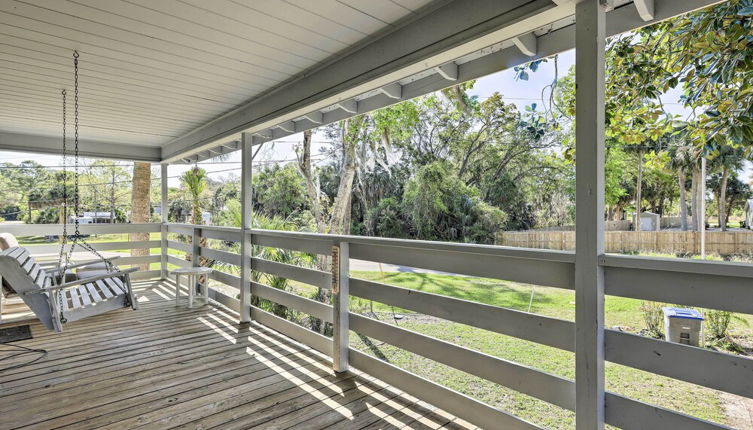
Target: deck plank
[{"x": 166, "y": 366}]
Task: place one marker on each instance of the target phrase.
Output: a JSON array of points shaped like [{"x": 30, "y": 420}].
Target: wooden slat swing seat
[
  {"x": 52, "y": 295},
  {"x": 55, "y": 301}
]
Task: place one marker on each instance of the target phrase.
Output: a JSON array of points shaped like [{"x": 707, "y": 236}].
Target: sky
[{"x": 519, "y": 92}]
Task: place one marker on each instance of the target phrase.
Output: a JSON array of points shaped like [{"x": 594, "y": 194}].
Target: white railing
[
  {"x": 716, "y": 285},
  {"x": 51, "y": 250}
]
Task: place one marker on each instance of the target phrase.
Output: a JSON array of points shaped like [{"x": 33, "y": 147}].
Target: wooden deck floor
[{"x": 167, "y": 367}]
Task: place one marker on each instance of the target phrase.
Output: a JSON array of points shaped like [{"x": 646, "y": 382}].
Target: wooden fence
[{"x": 671, "y": 242}]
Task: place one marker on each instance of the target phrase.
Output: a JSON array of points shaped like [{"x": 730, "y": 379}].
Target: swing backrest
[{"x": 25, "y": 276}]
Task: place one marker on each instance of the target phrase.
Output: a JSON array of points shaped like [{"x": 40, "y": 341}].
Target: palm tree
[{"x": 195, "y": 181}]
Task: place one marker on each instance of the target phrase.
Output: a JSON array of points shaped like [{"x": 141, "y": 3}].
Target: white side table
[{"x": 192, "y": 275}]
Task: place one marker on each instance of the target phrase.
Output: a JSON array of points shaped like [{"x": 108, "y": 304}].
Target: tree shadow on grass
[
  {"x": 466, "y": 288},
  {"x": 373, "y": 348}
]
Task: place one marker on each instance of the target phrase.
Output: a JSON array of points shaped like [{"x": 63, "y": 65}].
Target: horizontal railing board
[
  {"x": 449, "y": 400},
  {"x": 313, "y": 277},
  {"x": 180, "y": 229},
  {"x": 184, "y": 247},
  {"x": 141, "y": 259},
  {"x": 230, "y": 234},
  {"x": 730, "y": 293},
  {"x": 703, "y": 267},
  {"x": 717, "y": 370},
  {"x": 630, "y": 414},
  {"x": 221, "y": 234},
  {"x": 225, "y": 300},
  {"x": 535, "y": 383},
  {"x": 500, "y": 251},
  {"x": 178, "y": 261},
  {"x": 224, "y": 256},
  {"x": 303, "y": 335},
  {"x": 226, "y": 278},
  {"x": 57, "y": 229},
  {"x": 146, "y": 274},
  {"x": 536, "y": 328},
  {"x": 293, "y": 301},
  {"x": 313, "y": 246},
  {"x": 99, "y": 246},
  {"x": 526, "y": 270}
]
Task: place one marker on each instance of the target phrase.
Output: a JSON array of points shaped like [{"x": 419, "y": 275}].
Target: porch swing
[{"x": 59, "y": 295}]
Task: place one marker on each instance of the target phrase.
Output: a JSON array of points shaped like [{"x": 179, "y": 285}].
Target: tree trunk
[
  {"x": 341, "y": 207},
  {"x": 638, "y": 196},
  {"x": 304, "y": 165},
  {"x": 683, "y": 201},
  {"x": 694, "y": 203},
  {"x": 723, "y": 199},
  {"x": 140, "y": 198}
]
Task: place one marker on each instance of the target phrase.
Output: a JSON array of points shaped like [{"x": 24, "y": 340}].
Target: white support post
[
  {"x": 247, "y": 157},
  {"x": 340, "y": 297},
  {"x": 590, "y": 17},
  {"x": 195, "y": 246},
  {"x": 163, "y": 213}
]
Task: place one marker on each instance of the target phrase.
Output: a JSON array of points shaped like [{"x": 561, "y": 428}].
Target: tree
[
  {"x": 279, "y": 191},
  {"x": 442, "y": 207},
  {"x": 140, "y": 199},
  {"x": 195, "y": 182},
  {"x": 728, "y": 161}
]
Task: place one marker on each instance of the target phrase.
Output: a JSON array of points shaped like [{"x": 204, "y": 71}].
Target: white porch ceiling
[
  {"x": 152, "y": 71},
  {"x": 180, "y": 80}
]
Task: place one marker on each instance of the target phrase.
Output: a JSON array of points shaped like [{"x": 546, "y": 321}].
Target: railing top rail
[
  {"x": 701, "y": 267},
  {"x": 504, "y": 251},
  {"x": 205, "y": 227},
  {"x": 513, "y": 252},
  {"x": 55, "y": 229}
]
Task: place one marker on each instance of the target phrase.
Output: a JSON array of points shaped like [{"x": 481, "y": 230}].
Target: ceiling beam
[
  {"x": 350, "y": 106},
  {"x": 393, "y": 91},
  {"x": 448, "y": 71},
  {"x": 315, "y": 117},
  {"x": 619, "y": 20},
  {"x": 288, "y": 126},
  {"x": 527, "y": 44},
  {"x": 87, "y": 148},
  {"x": 645, "y": 9}
]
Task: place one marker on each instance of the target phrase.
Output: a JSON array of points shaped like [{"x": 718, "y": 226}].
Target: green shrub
[
  {"x": 717, "y": 323},
  {"x": 653, "y": 317}
]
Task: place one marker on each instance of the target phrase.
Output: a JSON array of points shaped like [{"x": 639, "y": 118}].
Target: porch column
[
  {"x": 163, "y": 213},
  {"x": 589, "y": 209},
  {"x": 247, "y": 157}
]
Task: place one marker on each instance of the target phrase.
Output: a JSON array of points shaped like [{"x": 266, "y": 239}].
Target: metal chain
[
  {"x": 77, "y": 238},
  {"x": 65, "y": 219},
  {"x": 75, "y": 140},
  {"x": 64, "y": 239}
]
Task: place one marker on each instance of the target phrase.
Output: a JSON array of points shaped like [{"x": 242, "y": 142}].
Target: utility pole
[{"x": 702, "y": 208}]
